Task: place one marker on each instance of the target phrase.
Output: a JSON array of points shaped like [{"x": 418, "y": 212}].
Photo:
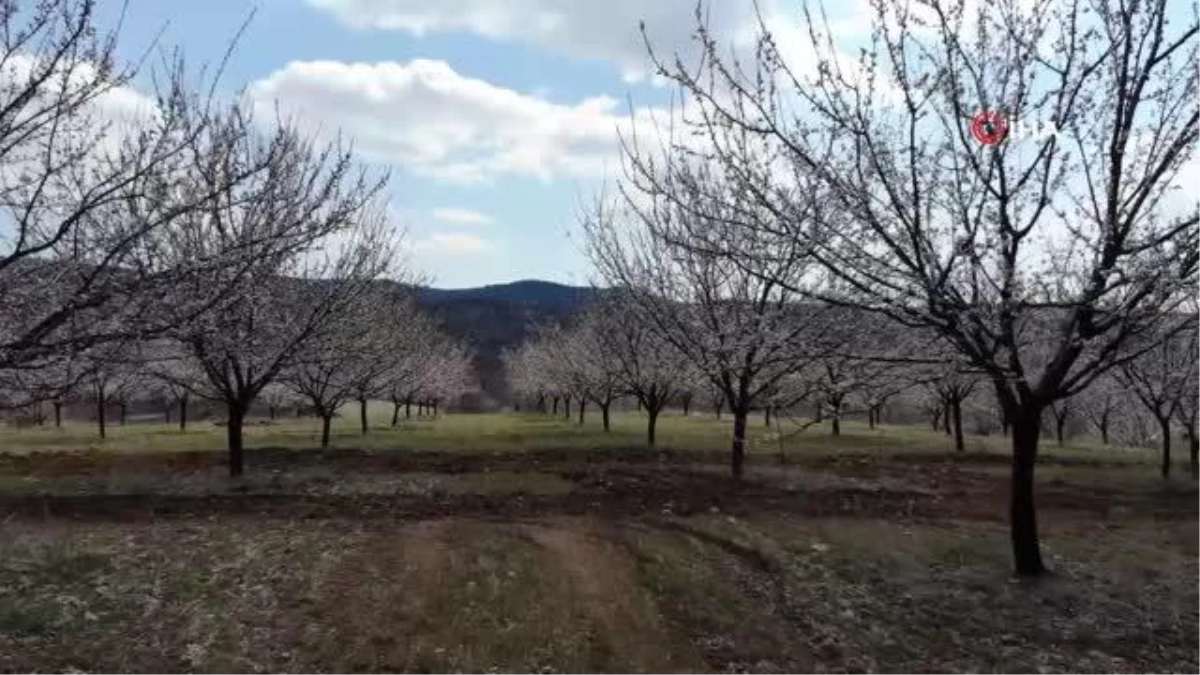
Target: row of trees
[
  {"x": 1043, "y": 264},
  {"x": 181, "y": 238}
]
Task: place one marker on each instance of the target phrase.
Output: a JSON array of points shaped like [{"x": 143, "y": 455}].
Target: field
[{"x": 520, "y": 542}]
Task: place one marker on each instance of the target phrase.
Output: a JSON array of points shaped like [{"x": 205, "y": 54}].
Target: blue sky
[{"x": 475, "y": 213}]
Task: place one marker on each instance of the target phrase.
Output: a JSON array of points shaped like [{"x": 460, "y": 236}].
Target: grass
[{"x": 532, "y": 432}]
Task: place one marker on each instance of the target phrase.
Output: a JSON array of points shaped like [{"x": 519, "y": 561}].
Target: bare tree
[
  {"x": 1158, "y": 379},
  {"x": 1068, "y": 241},
  {"x": 313, "y": 225}
]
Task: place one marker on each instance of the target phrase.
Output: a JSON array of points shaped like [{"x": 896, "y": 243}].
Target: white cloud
[
  {"x": 584, "y": 29},
  {"x": 449, "y": 243},
  {"x": 461, "y": 216},
  {"x": 425, "y": 116}
]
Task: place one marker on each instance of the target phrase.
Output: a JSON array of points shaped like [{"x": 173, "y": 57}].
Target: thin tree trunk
[
  {"x": 651, "y": 424},
  {"x": 554, "y": 410},
  {"x": 767, "y": 416},
  {"x": 1104, "y": 430},
  {"x": 687, "y": 403},
  {"x": 1060, "y": 424},
  {"x": 1193, "y": 452},
  {"x": 956, "y": 407},
  {"x": 566, "y": 407},
  {"x": 1164, "y": 424},
  {"x": 1027, "y": 554},
  {"x": 237, "y": 459},
  {"x": 407, "y": 408},
  {"x": 100, "y": 416},
  {"x": 871, "y": 419},
  {"x": 271, "y": 412},
  {"x": 57, "y": 414},
  {"x": 582, "y": 405},
  {"x": 362, "y": 415},
  {"x": 720, "y": 406},
  {"x": 183, "y": 406},
  {"x": 604, "y": 414},
  {"x": 395, "y": 413},
  {"x": 121, "y": 408},
  {"x": 947, "y": 417},
  {"x": 326, "y": 419},
  {"x": 737, "y": 459}
]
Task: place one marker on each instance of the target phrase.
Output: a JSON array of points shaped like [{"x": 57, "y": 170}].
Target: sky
[{"x": 497, "y": 118}]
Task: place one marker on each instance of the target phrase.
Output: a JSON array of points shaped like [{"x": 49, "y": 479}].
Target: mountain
[{"x": 493, "y": 318}]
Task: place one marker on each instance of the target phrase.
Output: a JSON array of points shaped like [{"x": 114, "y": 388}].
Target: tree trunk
[
  {"x": 582, "y": 405},
  {"x": 1060, "y": 424},
  {"x": 121, "y": 412},
  {"x": 420, "y": 408},
  {"x": 767, "y": 416},
  {"x": 554, "y": 409},
  {"x": 183, "y": 405},
  {"x": 956, "y": 407},
  {"x": 362, "y": 415},
  {"x": 836, "y": 426},
  {"x": 233, "y": 430},
  {"x": 1164, "y": 425},
  {"x": 604, "y": 414},
  {"x": 1027, "y": 554},
  {"x": 566, "y": 407},
  {"x": 687, "y": 403},
  {"x": 1193, "y": 452},
  {"x": 57, "y": 414},
  {"x": 395, "y": 413},
  {"x": 1104, "y": 430},
  {"x": 651, "y": 425},
  {"x": 100, "y": 416},
  {"x": 326, "y": 419},
  {"x": 947, "y": 417},
  {"x": 408, "y": 408},
  {"x": 871, "y": 419},
  {"x": 737, "y": 459},
  {"x": 719, "y": 407},
  {"x": 271, "y": 412}
]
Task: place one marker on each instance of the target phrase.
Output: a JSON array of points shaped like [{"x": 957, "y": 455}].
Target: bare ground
[{"x": 563, "y": 562}]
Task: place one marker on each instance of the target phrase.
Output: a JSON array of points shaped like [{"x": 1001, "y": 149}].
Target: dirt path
[{"x": 603, "y": 578}]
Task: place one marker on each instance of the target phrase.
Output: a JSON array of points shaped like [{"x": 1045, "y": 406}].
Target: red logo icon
[{"x": 989, "y": 127}]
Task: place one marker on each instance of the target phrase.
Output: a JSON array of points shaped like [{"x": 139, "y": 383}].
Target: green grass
[{"x": 509, "y": 432}]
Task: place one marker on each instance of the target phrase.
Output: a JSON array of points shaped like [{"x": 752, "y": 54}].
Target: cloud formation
[{"x": 426, "y": 117}]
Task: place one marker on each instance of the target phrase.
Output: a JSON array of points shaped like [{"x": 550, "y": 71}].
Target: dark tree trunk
[
  {"x": 1027, "y": 554},
  {"x": 767, "y": 416},
  {"x": 1104, "y": 430},
  {"x": 1060, "y": 424},
  {"x": 737, "y": 459},
  {"x": 651, "y": 424},
  {"x": 420, "y": 408},
  {"x": 100, "y": 416},
  {"x": 408, "y": 408},
  {"x": 271, "y": 412},
  {"x": 121, "y": 408},
  {"x": 947, "y": 416},
  {"x": 326, "y": 419},
  {"x": 604, "y": 414},
  {"x": 582, "y": 405},
  {"x": 687, "y": 403},
  {"x": 237, "y": 459},
  {"x": 435, "y": 407},
  {"x": 395, "y": 413},
  {"x": 1164, "y": 425},
  {"x": 566, "y": 407},
  {"x": 836, "y": 427},
  {"x": 1193, "y": 451},
  {"x": 956, "y": 407},
  {"x": 719, "y": 407},
  {"x": 57, "y": 414},
  {"x": 871, "y": 419},
  {"x": 554, "y": 409},
  {"x": 639, "y": 406},
  {"x": 183, "y": 405},
  {"x": 820, "y": 413},
  {"x": 362, "y": 415}
]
